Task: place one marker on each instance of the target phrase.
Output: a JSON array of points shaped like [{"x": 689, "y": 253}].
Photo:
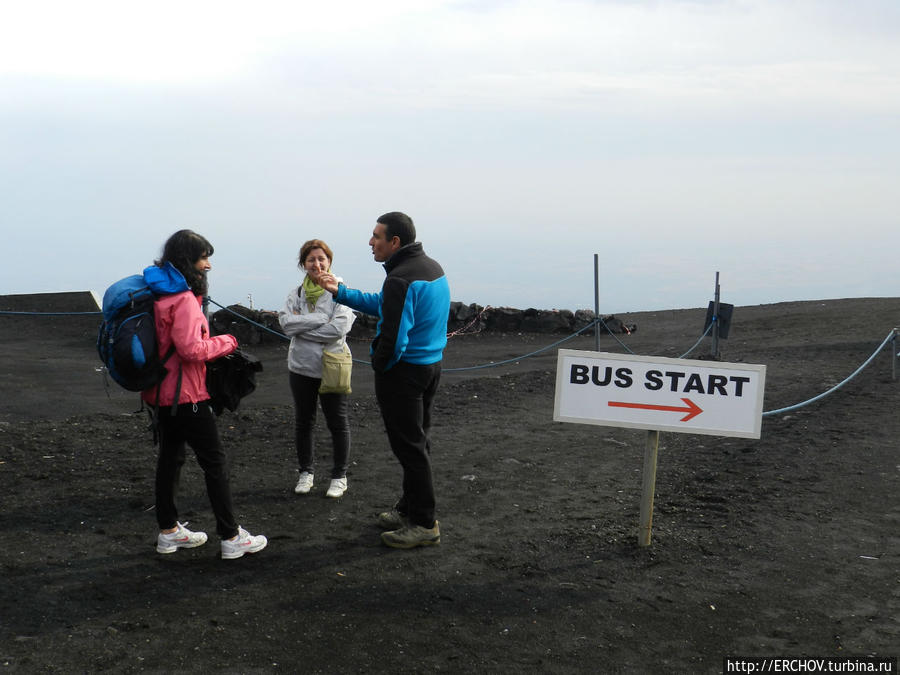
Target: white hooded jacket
[{"x": 311, "y": 331}]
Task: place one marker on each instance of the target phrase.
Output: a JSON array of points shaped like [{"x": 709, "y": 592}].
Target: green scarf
[{"x": 313, "y": 291}]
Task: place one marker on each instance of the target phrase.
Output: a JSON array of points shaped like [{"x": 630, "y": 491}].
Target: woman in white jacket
[{"x": 315, "y": 323}]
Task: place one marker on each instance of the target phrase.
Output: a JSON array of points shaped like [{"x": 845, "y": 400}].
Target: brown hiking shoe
[
  {"x": 392, "y": 520},
  {"x": 410, "y": 536}
]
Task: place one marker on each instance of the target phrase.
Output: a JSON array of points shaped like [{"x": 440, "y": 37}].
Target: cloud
[
  {"x": 522, "y": 135},
  {"x": 604, "y": 56}
]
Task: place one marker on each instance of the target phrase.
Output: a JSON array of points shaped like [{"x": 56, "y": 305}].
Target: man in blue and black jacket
[{"x": 412, "y": 310}]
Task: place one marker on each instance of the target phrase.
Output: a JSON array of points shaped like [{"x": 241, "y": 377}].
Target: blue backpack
[{"x": 127, "y": 339}]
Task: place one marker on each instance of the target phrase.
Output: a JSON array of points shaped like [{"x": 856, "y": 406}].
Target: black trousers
[
  {"x": 193, "y": 424},
  {"x": 405, "y": 395},
  {"x": 335, "y": 407}
]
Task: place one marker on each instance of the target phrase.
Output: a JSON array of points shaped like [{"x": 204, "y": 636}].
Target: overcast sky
[{"x": 759, "y": 139}]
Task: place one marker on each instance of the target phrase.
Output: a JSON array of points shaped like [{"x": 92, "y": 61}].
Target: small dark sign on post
[{"x": 724, "y": 318}]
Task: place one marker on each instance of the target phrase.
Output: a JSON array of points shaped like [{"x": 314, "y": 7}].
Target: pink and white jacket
[{"x": 180, "y": 321}]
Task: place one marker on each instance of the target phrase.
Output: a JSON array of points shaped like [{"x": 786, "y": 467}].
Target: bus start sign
[{"x": 657, "y": 393}]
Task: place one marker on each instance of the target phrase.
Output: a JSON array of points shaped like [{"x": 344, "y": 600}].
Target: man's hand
[{"x": 328, "y": 282}]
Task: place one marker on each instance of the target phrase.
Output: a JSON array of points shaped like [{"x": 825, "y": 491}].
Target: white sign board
[{"x": 658, "y": 393}]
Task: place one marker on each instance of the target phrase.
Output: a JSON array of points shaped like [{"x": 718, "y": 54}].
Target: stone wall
[
  {"x": 65, "y": 301},
  {"x": 462, "y": 319}
]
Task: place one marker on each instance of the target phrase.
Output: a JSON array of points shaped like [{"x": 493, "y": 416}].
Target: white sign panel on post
[{"x": 658, "y": 393}]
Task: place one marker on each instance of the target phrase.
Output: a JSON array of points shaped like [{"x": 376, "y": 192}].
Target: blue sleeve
[{"x": 367, "y": 303}]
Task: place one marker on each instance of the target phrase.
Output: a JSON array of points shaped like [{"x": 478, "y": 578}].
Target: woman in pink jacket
[{"x": 181, "y": 401}]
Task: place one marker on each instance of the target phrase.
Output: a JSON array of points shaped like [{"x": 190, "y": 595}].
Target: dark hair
[
  {"x": 183, "y": 249},
  {"x": 313, "y": 244},
  {"x": 397, "y": 224}
]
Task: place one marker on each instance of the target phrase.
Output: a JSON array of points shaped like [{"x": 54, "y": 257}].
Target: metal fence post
[
  {"x": 597, "y": 302},
  {"x": 894, "y": 354},
  {"x": 715, "y": 323}
]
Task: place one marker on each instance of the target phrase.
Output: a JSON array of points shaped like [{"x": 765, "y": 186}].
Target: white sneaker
[
  {"x": 304, "y": 483},
  {"x": 243, "y": 543},
  {"x": 180, "y": 538},
  {"x": 337, "y": 488}
]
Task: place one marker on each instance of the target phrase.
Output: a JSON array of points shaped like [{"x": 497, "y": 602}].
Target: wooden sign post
[{"x": 648, "y": 487}]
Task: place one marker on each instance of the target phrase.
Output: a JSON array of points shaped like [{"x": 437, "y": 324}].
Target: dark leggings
[
  {"x": 334, "y": 406},
  {"x": 193, "y": 424}
]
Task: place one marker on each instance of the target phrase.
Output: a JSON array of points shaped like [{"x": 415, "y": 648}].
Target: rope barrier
[
  {"x": 603, "y": 323},
  {"x": 461, "y": 331},
  {"x": 249, "y": 320},
  {"x": 697, "y": 343},
  {"x": 367, "y": 363},
  {"x": 835, "y": 387},
  {"x": 595, "y": 322},
  {"x": 599, "y": 320},
  {"x": 8, "y": 313},
  {"x": 542, "y": 349}
]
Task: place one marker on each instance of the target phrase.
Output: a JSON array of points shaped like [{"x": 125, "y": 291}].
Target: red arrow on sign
[{"x": 692, "y": 408}]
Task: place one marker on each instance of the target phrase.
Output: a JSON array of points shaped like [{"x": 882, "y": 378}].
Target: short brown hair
[
  {"x": 309, "y": 246},
  {"x": 398, "y": 224}
]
